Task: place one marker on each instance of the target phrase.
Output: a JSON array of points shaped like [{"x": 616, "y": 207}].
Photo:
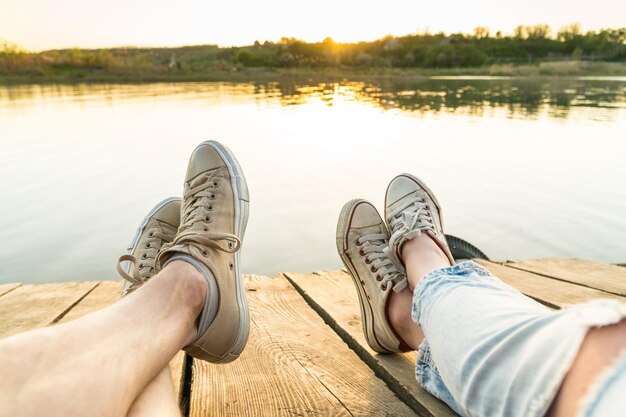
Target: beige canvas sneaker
[
  {"x": 157, "y": 228},
  {"x": 213, "y": 222},
  {"x": 361, "y": 239},
  {"x": 411, "y": 209}
]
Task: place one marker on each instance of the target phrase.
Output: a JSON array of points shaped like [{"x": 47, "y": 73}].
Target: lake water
[{"x": 523, "y": 168}]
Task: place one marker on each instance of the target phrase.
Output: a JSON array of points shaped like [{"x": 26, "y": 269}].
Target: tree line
[{"x": 527, "y": 44}]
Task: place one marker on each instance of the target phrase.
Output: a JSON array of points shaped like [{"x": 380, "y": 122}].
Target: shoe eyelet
[
  {"x": 356, "y": 242},
  {"x": 211, "y": 208},
  {"x": 383, "y": 287},
  {"x": 378, "y": 278},
  {"x": 367, "y": 261},
  {"x": 361, "y": 252},
  {"x": 215, "y": 184},
  {"x": 205, "y": 229},
  {"x": 207, "y": 219},
  {"x": 151, "y": 234},
  {"x": 147, "y": 245},
  {"x": 144, "y": 256},
  {"x": 430, "y": 221},
  {"x": 230, "y": 265},
  {"x": 230, "y": 245},
  {"x": 213, "y": 196},
  {"x": 205, "y": 253},
  {"x": 140, "y": 266},
  {"x": 373, "y": 269}
]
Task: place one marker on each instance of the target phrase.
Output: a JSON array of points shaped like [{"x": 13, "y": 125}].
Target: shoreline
[{"x": 546, "y": 70}]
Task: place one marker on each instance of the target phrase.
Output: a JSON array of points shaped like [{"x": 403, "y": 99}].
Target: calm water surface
[{"x": 524, "y": 169}]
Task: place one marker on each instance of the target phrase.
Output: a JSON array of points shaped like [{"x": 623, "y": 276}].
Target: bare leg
[
  {"x": 399, "y": 314},
  {"x": 100, "y": 363},
  {"x": 422, "y": 256},
  {"x": 157, "y": 399},
  {"x": 426, "y": 257},
  {"x": 600, "y": 349}
]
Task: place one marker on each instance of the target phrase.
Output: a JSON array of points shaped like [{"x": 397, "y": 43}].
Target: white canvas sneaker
[
  {"x": 157, "y": 228},
  {"x": 361, "y": 239},
  {"x": 411, "y": 209}
]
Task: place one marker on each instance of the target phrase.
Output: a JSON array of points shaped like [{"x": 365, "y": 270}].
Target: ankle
[
  {"x": 423, "y": 246},
  {"x": 421, "y": 256},
  {"x": 190, "y": 283}
]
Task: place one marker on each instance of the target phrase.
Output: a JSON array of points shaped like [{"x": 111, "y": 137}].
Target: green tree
[
  {"x": 481, "y": 32},
  {"x": 569, "y": 32}
]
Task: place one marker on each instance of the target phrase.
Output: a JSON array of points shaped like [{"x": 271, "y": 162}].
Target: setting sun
[{"x": 41, "y": 24}]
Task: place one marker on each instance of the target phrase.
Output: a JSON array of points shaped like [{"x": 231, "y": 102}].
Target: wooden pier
[{"x": 306, "y": 355}]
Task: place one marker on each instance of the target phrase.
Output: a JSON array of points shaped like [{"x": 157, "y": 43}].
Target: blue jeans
[{"x": 491, "y": 351}]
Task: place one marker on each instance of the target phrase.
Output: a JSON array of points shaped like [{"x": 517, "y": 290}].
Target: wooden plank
[
  {"x": 7, "y": 288},
  {"x": 333, "y": 296},
  {"x": 553, "y": 293},
  {"x": 609, "y": 278},
  {"x": 32, "y": 306},
  {"x": 106, "y": 293},
  {"x": 293, "y": 365}
]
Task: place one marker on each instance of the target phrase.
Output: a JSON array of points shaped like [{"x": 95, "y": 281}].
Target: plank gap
[
  {"x": 545, "y": 303},
  {"x": 512, "y": 266},
  {"x": 74, "y": 304},
  {"x": 8, "y": 290},
  {"x": 365, "y": 356},
  {"x": 186, "y": 381}
]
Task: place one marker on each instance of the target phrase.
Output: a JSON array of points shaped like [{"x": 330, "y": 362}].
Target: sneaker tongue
[
  {"x": 167, "y": 228},
  {"x": 203, "y": 178},
  {"x": 200, "y": 179}
]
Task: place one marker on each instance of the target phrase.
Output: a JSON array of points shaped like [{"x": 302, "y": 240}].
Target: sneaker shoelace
[
  {"x": 142, "y": 266},
  {"x": 373, "y": 250},
  {"x": 407, "y": 221},
  {"x": 196, "y": 216}
]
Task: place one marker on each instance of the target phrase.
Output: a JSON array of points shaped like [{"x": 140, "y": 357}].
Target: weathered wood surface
[
  {"x": 293, "y": 365},
  {"x": 31, "y": 306},
  {"x": 551, "y": 292},
  {"x": 334, "y": 297},
  {"x": 6, "y": 288},
  {"x": 609, "y": 278}
]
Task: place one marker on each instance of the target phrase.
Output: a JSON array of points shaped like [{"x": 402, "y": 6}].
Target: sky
[{"x": 45, "y": 24}]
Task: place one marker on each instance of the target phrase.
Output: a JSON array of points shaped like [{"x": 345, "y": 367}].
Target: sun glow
[{"x": 41, "y": 24}]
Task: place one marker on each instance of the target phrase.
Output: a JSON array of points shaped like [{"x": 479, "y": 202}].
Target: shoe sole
[
  {"x": 343, "y": 225},
  {"x": 241, "y": 205},
  {"x": 135, "y": 240}
]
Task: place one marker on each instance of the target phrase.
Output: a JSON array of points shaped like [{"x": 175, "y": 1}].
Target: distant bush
[{"x": 527, "y": 45}]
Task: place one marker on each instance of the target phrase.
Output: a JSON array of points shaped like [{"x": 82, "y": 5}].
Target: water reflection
[
  {"x": 514, "y": 162},
  {"x": 518, "y": 98}
]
